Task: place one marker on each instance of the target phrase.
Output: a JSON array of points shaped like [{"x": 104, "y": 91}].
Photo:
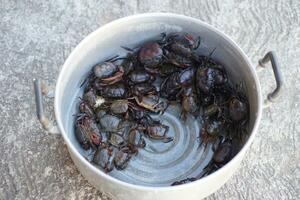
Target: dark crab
[
  {"x": 87, "y": 132},
  {"x": 108, "y": 73},
  {"x": 119, "y": 107},
  {"x": 179, "y": 49},
  {"x": 140, "y": 116},
  {"x": 166, "y": 69},
  {"x": 117, "y": 90},
  {"x": 110, "y": 123},
  {"x": 236, "y": 101},
  {"x": 140, "y": 76},
  {"x": 135, "y": 137},
  {"x": 150, "y": 56},
  {"x": 189, "y": 102},
  {"x": 186, "y": 77},
  {"x": 223, "y": 152},
  {"x": 152, "y": 103},
  {"x": 212, "y": 110},
  {"x": 237, "y": 109},
  {"x": 220, "y": 76},
  {"x": 177, "y": 60},
  {"x": 158, "y": 131},
  {"x": 207, "y": 78},
  {"x": 221, "y": 156},
  {"x": 99, "y": 112},
  {"x": 90, "y": 97},
  {"x": 116, "y": 140},
  {"x": 104, "y": 157},
  {"x": 183, "y": 43},
  {"x": 86, "y": 109},
  {"x": 143, "y": 89},
  {"x": 184, "y": 181},
  {"x": 104, "y": 70},
  {"x": 170, "y": 87},
  {"x": 210, "y": 131},
  {"x": 129, "y": 63},
  {"x": 122, "y": 158}
]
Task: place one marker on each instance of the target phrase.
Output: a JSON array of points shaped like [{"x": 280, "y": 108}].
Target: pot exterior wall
[{"x": 120, "y": 192}]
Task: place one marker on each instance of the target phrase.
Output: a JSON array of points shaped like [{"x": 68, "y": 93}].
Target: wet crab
[
  {"x": 90, "y": 97},
  {"x": 186, "y": 77},
  {"x": 183, "y": 43},
  {"x": 237, "y": 109},
  {"x": 166, "y": 69},
  {"x": 119, "y": 107},
  {"x": 104, "y": 157},
  {"x": 140, "y": 76},
  {"x": 210, "y": 131},
  {"x": 116, "y": 140},
  {"x": 117, "y": 90},
  {"x": 143, "y": 89},
  {"x": 135, "y": 137},
  {"x": 221, "y": 156},
  {"x": 108, "y": 73},
  {"x": 189, "y": 102},
  {"x": 110, "y": 123},
  {"x": 87, "y": 132},
  {"x": 179, "y": 49},
  {"x": 184, "y": 181},
  {"x": 170, "y": 87},
  {"x": 122, "y": 158},
  {"x": 158, "y": 131},
  {"x": 86, "y": 109},
  {"x": 152, "y": 103},
  {"x": 150, "y": 56}
]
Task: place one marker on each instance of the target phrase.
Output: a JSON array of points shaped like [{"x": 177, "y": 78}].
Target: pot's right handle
[
  {"x": 47, "y": 124},
  {"x": 272, "y": 96}
]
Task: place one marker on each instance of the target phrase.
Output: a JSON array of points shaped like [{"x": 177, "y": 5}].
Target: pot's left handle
[{"x": 47, "y": 124}]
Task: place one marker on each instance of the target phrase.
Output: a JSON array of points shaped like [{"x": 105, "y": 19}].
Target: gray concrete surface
[{"x": 36, "y": 37}]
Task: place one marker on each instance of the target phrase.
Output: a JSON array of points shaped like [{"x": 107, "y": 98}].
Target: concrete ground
[{"x": 37, "y": 36}]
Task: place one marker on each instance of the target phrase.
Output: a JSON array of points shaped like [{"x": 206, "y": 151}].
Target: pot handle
[
  {"x": 39, "y": 90},
  {"x": 272, "y": 96}
]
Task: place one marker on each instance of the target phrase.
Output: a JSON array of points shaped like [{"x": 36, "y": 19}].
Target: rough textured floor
[{"x": 35, "y": 39}]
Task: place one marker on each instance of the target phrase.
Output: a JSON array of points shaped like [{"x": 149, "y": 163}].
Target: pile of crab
[{"x": 122, "y": 93}]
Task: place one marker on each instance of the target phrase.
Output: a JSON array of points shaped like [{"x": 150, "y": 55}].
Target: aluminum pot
[{"x": 131, "y": 31}]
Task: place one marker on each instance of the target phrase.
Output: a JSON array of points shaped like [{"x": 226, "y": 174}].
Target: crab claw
[{"x": 113, "y": 79}]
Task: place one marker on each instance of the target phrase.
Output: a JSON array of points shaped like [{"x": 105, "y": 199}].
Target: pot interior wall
[{"x": 106, "y": 43}]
